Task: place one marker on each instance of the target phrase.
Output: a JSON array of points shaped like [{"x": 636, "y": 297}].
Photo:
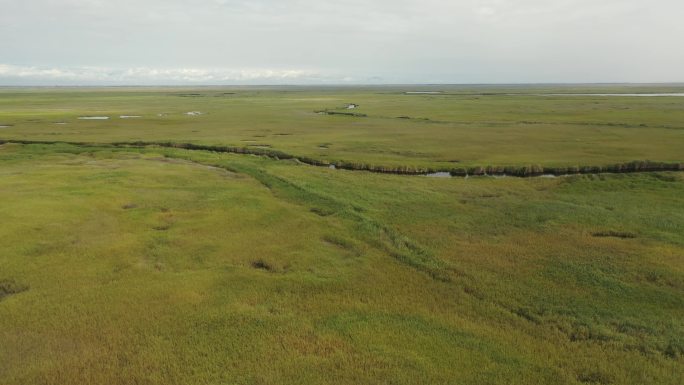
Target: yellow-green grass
[
  {"x": 162, "y": 266},
  {"x": 461, "y": 127},
  {"x": 168, "y": 266}
]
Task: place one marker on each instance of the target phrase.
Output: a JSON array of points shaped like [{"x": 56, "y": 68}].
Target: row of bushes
[
  {"x": 231, "y": 149},
  {"x": 404, "y": 170},
  {"x": 518, "y": 171},
  {"x": 537, "y": 170}
]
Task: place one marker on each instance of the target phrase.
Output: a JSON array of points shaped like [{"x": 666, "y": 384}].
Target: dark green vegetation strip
[
  {"x": 515, "y": 171},
  {"x": 10, "y": 286}
]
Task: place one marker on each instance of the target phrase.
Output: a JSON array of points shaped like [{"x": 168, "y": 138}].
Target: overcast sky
[{"x": 66, "y": 42}]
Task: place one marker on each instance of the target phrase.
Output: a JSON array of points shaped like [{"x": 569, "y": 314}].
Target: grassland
[
  {"x": 152, "y": 265},
  {"x": 477, "y": 127}
]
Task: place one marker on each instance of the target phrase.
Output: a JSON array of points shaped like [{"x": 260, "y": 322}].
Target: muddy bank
[{"x": 512, "y": 171}]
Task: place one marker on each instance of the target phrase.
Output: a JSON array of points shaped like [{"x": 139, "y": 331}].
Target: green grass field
[
  {"x": 152, "y": 265},
  {"x": 460, "y": 127}
]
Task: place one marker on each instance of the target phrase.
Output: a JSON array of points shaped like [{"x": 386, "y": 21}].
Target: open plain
[{"x": 260, "y": 235}]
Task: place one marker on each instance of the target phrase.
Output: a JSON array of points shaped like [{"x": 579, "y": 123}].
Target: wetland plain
[{"x": 238, "y": 235}]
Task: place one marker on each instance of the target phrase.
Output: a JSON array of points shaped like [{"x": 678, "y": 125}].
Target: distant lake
[{"x": 664, "y": 94}]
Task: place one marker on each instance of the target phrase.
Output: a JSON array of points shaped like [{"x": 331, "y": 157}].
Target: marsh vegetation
[{"x": 208, "y": 249}]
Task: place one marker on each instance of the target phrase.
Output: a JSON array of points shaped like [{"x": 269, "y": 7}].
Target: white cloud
[{"x": 10, "y": 74}]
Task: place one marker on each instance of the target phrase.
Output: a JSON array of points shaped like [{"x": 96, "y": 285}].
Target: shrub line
[{"x": 513, "y": 171}]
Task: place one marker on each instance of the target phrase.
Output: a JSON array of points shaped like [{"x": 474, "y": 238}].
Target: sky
[{"x": 198, "y": 42}]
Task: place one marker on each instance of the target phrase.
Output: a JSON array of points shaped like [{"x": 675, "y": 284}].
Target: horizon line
[{"x": 673, "y": 83}]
